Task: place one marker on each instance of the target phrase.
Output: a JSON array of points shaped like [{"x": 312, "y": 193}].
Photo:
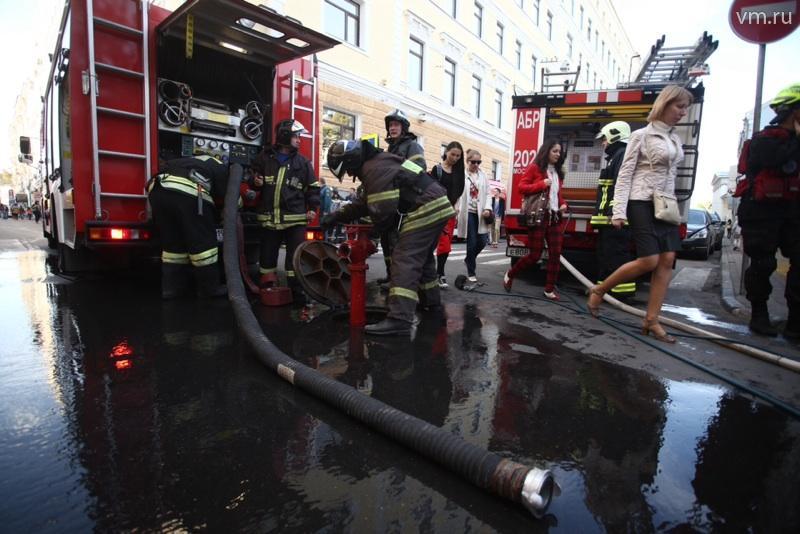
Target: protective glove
[{"x": 328, "y": 221}]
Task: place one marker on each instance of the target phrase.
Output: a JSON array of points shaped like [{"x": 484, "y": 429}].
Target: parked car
[
  {"x": 699, "y": 238},
  {"x": 719, "y": 229}
]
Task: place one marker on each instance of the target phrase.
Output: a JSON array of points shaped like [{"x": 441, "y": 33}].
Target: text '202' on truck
[
  {"x": 129, "y": 81},
  {"x": 575, "y": 118}
]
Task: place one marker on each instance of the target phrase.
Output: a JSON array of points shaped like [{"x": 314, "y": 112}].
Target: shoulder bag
[
  {"x": 665, "y": 208},
  {"x": 534, "y": 208}
]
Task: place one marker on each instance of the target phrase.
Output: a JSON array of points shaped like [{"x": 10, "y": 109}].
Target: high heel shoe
[
  {"x": 594, "y": 305},
  {"x": 651, "y": 326}
]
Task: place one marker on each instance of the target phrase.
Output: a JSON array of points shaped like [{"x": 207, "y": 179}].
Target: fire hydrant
[{"x": 357, "y": 249}]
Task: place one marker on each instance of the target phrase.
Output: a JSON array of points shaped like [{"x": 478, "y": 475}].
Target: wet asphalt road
[{"x": 120, "y": 412}]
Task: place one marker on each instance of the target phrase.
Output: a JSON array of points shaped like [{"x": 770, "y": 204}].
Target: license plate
[
  {"x": 516, "y": 252},
  {"x": 219, "y": 235}
]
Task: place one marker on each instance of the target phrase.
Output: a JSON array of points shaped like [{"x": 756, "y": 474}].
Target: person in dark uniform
[
  {"x": 391, "y": 186},
  {"x": 181, "y": 198},
  {"x": 613, "y": 245},
  {"x": 289, "y": 196},
  {"x": 769, "y": 212},
  {"x": 403, "y": 143}
]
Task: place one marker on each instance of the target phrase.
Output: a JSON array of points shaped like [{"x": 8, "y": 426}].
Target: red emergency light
[
  {"x": 111, "y": 233},
  {"x": 123, "y": 364},
  {"x": 121, "y": 349},
  {"x": 314, "y": 235}
]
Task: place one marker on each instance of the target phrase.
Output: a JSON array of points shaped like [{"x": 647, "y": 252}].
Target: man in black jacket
[
  {"x": 769, "y": 212},
  {"x": 403, "y": 143},
  {"x": 613, "y": 245},
  {"x": 289, "y": 196}
]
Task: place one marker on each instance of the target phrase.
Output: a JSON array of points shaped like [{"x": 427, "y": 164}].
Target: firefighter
[
  {"x": 613, "y": 245},
  {"x": 289, "y": 196},
  {"x": 769, "y": 211},
  {"x": 403, "y": 143},
  {"x": 183, "y": 211},
  {"x": 391, "y": 186}
]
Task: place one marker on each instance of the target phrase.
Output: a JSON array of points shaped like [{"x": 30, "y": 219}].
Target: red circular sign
[{"x": 764, "y": 21}]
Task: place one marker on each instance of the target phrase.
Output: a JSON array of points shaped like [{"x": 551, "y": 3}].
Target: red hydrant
[{"x": 357, "y": 249}]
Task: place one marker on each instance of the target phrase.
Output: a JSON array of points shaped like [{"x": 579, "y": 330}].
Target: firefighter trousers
[
  {"x": 762, "y": 238},
  {"x": 613, "y": 251},
  {"x": 271, "y": 240},
  {"x": 186, "y": 235}
]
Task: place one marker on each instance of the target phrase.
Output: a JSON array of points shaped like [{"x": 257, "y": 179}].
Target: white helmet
[{"x": 615, "y": 131}]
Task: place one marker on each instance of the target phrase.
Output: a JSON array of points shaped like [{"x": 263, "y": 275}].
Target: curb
[{"x": 728, "y": 296}]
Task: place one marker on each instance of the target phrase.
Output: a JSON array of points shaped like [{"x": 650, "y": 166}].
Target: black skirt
[{"x": 650, "y": 235}]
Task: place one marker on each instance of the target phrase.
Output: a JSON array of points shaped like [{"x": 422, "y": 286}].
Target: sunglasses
[{"x": 475, "y": 161}]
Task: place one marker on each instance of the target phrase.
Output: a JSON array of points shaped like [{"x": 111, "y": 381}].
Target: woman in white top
[
  {"x": 650, "y": 165},
  {"x": 473, "y": 209}
]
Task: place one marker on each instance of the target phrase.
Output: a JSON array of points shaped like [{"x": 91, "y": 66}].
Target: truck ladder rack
[
  {"x": 678, "y": 65},
  {"x": 296, "y": 83}
]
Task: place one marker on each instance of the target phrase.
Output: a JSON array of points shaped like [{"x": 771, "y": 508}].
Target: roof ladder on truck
[
  {"x": 96, "y": 26},
  {"x": 297, "y": 84},
  {"x": 680, "y": 65}
]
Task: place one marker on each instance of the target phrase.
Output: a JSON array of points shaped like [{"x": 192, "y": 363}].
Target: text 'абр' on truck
[
  {"x": 575, "y": 118},
  {"x": 130, "y": 82}
]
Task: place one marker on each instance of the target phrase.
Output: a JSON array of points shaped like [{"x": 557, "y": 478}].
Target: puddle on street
[
  {"x": 120, "y": 412},
  {"x": 698, "y": 317}
]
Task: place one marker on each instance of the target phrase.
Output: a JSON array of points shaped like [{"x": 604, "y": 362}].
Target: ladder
[
  {"x": 566, "y": 80},
  {"x": 136, "y": 34},
  {"x": 297, "y": 82},
  {"x": 678, "y": 65}
]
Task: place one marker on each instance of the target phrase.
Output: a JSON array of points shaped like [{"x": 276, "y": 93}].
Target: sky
[{"x": 730, "y": 87}]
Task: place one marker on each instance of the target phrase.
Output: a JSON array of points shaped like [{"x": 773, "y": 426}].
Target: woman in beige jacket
[{"x": 650, "y": 165}]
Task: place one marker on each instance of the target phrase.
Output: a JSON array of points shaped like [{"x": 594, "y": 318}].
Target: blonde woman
[
  {"x": 473, "y": 210},
  {"x": 650, "y": 164}
]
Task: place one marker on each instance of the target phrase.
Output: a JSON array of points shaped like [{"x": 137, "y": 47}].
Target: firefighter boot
[
  {"x": 759, "y": 320},
  {"x": 389, "y": 327},
  {"x": 175, "y": 280},
  {"x": 208, "y": 285},
  {"x": 792, "y": 328}
]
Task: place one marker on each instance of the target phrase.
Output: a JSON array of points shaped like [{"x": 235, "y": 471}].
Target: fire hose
[{"x": 532, "y": 487}]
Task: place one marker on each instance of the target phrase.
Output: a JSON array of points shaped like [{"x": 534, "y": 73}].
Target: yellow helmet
[{"x": 787, "y": 98}]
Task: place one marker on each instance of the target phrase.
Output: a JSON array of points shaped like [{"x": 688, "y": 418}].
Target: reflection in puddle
[{"x": 699, "y": 317}]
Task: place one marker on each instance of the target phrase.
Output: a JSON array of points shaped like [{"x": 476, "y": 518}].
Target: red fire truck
[
  {"x": 130, "y": 81},
  {"x": 575, "y": 117}
]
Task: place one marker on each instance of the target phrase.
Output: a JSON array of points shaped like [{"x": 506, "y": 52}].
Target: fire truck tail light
[
  {"x": 118, "y": 234},
  {"x": 314, "y": 235}
]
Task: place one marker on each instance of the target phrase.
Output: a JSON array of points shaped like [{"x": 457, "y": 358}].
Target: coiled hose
[{"x": 532, "y": 487}]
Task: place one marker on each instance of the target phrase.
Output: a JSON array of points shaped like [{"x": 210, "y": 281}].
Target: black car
[
  {"x": 719, "y": 229},
  {"x": 700, "y": 234}
]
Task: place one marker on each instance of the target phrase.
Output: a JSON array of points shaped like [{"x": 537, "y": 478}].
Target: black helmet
[
  {"x": 344, "y": 156},
  {"x": 286, "y": 129},
  {"x": 398, "y": 116}
]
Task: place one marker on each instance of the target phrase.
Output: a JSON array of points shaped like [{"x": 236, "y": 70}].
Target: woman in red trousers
[{"x": 546, "y": 174}]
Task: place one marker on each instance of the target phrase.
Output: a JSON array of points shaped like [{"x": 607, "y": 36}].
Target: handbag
[
  {"x": 534, "y": 208},
  {"x": 665, "y": 208}
]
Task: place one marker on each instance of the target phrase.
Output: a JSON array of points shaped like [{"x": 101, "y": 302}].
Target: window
[
  {"x": 533, "y": 69},
  {"x": 536, "y": 11},
  {"x": 495, "y": 169},
  {"x": 572, "y": 7},
  {"x": 415, "y": 56},
  {"x": 336, "y": 125},
  {"x": 594, "y": 84},
  {"x": 581, "y": 11},
  {"x": 478, "y": 14},
  {"x": 587, "y": 72},
  {"x": 500, "y": 31},
  {"x": 569, "y": 46},
  {"x": 450, "y": 81},
  {"x": 498, "y": 108},
  {"x": 602, "y": 48},
  {"x": 476, "y": 96},
  {"x": 549, "y": 26},
  {"x": 518, "y": 54},
  {"x": 342, "y": 20},
  {"x": 454, "y": 8},
  {"x": 589, "y": 30},
  {"x": 596, "y": 40}
]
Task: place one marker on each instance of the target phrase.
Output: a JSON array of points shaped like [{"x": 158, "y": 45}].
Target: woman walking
[
  {"x": 650, "y": 165},
  {"x": 546, "y": 174},
  {"x": 449, "y": 173},
  {"x": 473, "y": 211}
]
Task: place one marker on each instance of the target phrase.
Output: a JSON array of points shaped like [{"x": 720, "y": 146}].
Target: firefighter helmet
[
  {"x": 286, "y": 129},
  {"x": 398, "y": 116},
  {"x": 344, "y": 156},
  {"x": 787, "y": 98},
  {"x": 615, "y": 131}
]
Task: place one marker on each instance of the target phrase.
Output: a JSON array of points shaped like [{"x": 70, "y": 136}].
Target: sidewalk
[{"x": 735, "y": 301}]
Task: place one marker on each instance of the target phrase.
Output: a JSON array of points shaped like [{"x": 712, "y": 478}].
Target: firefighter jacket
[
  {"x": 393, "y": 186},
  {"x": 604, "y": 205},
  {"x": 199, "y": 176},
  {"x": 772, "y": 184},
  {"x": 407, "y": 148},
  {"x": 290, "y": 190}
]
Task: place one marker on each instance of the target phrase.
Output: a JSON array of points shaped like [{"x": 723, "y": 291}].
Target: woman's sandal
[
  {"x": 651, "y": 326},
  {"x": 592, "y": 305}
]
